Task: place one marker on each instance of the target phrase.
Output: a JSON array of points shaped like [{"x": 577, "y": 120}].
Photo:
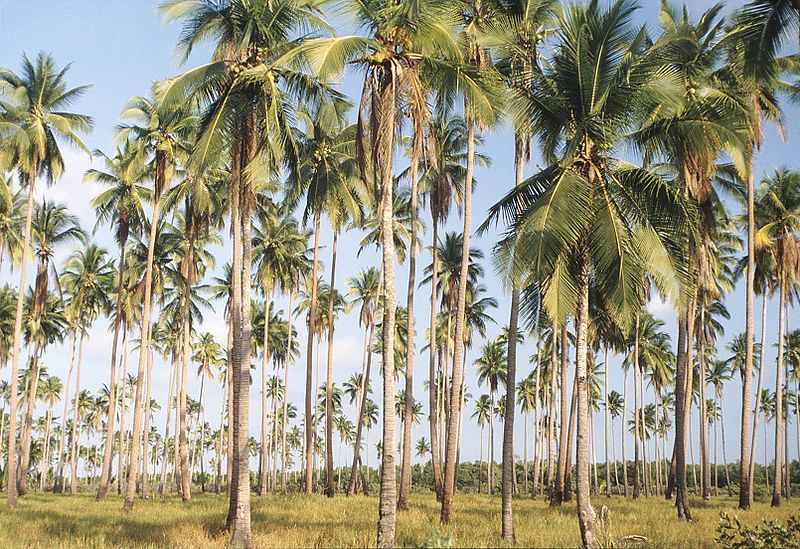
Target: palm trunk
[
  {"x": 586, "y": 514},
  {"x": 188, "y": 274},
  {"x": 45, "y": 465},
  {"x": 147, "y": 418},
  {"x": 133, "y": 461},
  {"x": 387, "y": 506},
  {"x": 551, "y": 418},
  {"x": 636, "y": 412},
  {"x": 777, "y": 485},
  {"x": 563, "y": 450},
  {"x": 74, "y": 438},
  {"x": 624, "y": 432},
  {"x": 27, "y": 420},
  {"x": 286, "y": 390},
  {"x": 433, "y": 390},
  {"x": 105, "y": 474},
  {"x": 605, "y": 445},
  {"x": 405, "y": 462},
  {"x": 681, "y": 387},
  {"x": 745, "y": 478},
  {"x": 241, "y": 533},
  {"x": 705, "y": 469},
  {"x": 123, "y": 408},
  {"x": 162, "y": 481},
  {"x": 262, "y": 481},
  {"x": 537, "y": 426},
  {"x": 329, "y": 480},
  {"x": 310, "y": 391},
  {"x": 11, "y": 450}
]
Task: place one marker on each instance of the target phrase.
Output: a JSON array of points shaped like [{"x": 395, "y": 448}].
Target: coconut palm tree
[
  {"x": 88, "y": 279},
  {"x": 365, "y": 292},
  {"x": 162, "y": 134},
  {"x": 492, "y": 367},
  {"x": 527, "y": 397},
  {"x": 33, "y": 103},
  {"x": 778, "y": 199},
  {"x": 121, "y": 206},
  {"x": 563, "y": 207},
  {"x": 52, "y": 226},
  {"x": 482, "y": 413},
  {"x": 50, "y": 393},
  {"x": 756, "y": 63}
]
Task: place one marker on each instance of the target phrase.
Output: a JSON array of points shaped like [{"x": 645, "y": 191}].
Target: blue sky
[{"x": 120, "y": 47}]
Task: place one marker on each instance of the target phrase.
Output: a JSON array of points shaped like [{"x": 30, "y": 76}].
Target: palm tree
[
  {"x": 365, "y": 290},
  {"x": 51, "y": 393},
  {"x": 482, "y": 414},
  {"x": 755, "y": 62},
  {"x": 526, "y": 393},
  {"x": 88, "y": 278},
  {"x": 161, "y": 134},
  {"x": 120, "y": 205},
  {"x": 778, "y": 202},
  {"x": 33, "y": 102},
  {"x": 326, "y": 177},
  {"x": 492, "y": 369},
  {"x": 582, "y": 190},
  {"x": 208, "y": 355},
  {"x": 52, "y": 226}
]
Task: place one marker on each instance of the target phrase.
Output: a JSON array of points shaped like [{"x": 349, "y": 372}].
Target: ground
[{"x": 50, "y": 521}]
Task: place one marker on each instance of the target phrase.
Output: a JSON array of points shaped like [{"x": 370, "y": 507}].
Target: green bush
[{"x": 731, "y": 534}]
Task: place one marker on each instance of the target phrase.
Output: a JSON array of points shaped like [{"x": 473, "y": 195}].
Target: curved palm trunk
[
  {"x": 11, "y": 450},
  {"x": 308, "y": 453},
  {"x": 433, "y": 390},
  {"x": 745, "y": 477},
  {"x": 286, "y": 391},
  {"x": 133, "y": 461},
  {"x": 262, "y": 481},
  {"x": 387, "y": 506},
  {"x": 405, "y": 463},
  {"x": 329, "y": 480},
  {"x": 777, "y": 485},
  {"x": 108, "y": 451}
]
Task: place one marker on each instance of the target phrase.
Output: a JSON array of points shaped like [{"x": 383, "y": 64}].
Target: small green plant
[
  {"x": 731, "y": 534},
  {"x": 438, "y": 539}
]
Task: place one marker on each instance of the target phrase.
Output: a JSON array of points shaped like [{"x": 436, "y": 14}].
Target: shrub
[{"x": 731, "y": 534}]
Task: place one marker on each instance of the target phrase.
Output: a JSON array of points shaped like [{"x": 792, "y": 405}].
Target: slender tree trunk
[
  {"x": 229, "y": 463},
  {"x": 490, "y": 450},
  {"x": 745, "y": 482},
  {"x": 624, "y": 432},
  {"x": 147, "y": 418},
  {"x": 387, "y": 505},
  {"x": 123, "y": 408},
  {"x": 777, "y": 485},
  {"x": 74, "y": 437},
  {"x": 570, "y": 436},
  {"x": 705, "y": 469},
  {"x": 310, "y": 391},
  {"x": 262, "y": 481},
  {"x": 186, "y": 476},
  {"x": 45, "y": 464},
  {"x": 164, "y": 460},
  {"x": 433, "y": 390},
  {"x": 563, "y": 450},
  {"x": 27, "y": 420},
  {"x": 11, "y": 449},
  {"x": 636, "y": 411},
  {"x": 405, "y": 465},
  {"x": 606, "y": 426},
  {"x": 329, "y": 480},
  {"x": 286, "y": 390},
  {"x": 351, "y": 488},
  {"x": 108, "y": 451},
  {"x": 552, "y": 472},
  {"x": 133, "y": 461}
]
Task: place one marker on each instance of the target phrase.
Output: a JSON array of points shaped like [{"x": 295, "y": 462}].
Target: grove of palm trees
[{"x": 400, "y": 273}]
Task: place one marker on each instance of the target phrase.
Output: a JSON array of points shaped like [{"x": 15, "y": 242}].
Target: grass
[{"x": 60, "y": 521}]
